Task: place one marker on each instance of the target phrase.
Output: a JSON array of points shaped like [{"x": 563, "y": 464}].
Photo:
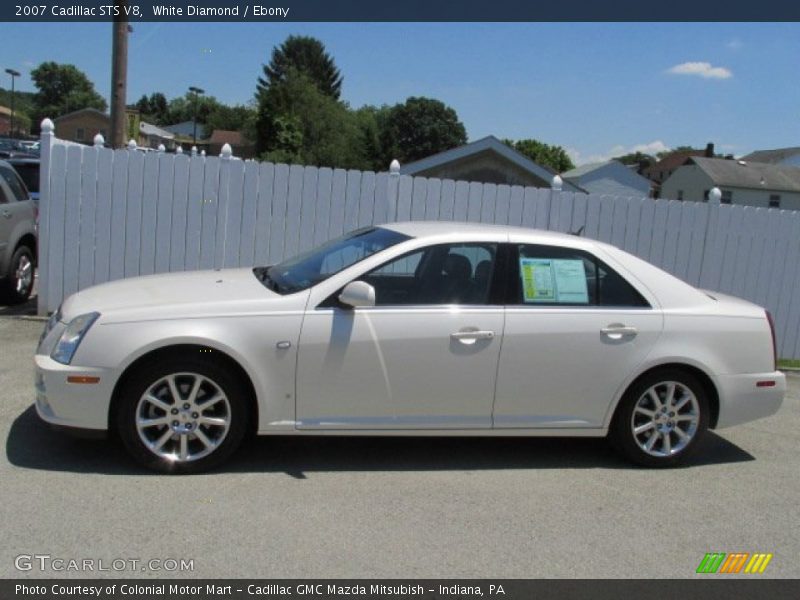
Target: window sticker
[
  {"x": 570, "y": 279},
  {"x": 553, "y": 280},
  {"x": 537, "y": 279}
]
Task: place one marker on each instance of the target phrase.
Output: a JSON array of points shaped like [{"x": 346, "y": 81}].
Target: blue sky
[{"x": 596, "y": 89}]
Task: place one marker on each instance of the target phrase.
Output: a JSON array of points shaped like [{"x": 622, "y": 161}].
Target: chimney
[{"x": 709, "y": 150}]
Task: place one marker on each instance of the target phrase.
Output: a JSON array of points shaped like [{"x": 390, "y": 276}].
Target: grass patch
[{"x": 792, "y": 363}]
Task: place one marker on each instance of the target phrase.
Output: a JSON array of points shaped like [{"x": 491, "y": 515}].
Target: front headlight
[{"x": 72, "y": 336}]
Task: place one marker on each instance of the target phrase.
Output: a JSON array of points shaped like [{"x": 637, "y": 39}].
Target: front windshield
[{"x": 307, "y": 269}]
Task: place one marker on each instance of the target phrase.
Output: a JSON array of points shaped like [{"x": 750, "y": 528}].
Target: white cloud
[
  {"x": 651, "y": 148},
  {"x": 701, "y": 69},
  {"x": 734, "y": 44}
]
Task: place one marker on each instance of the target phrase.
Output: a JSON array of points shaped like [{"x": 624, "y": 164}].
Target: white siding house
[
  {"x": 610, "y": 177},
  {"x": 741, "y": 182}
]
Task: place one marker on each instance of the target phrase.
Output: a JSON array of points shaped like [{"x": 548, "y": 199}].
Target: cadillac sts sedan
[{"x": 409, "y": 329}]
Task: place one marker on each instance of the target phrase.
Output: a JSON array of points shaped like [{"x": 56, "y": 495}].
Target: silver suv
[{"x": 17, "y": 237}]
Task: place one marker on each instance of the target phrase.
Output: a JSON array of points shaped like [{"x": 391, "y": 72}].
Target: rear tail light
[{"x": 774, "y": 345}]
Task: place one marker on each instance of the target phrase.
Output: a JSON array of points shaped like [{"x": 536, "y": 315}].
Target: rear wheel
[
  {"x": 182, "y": 415},
  {"x": 661, "y": 418},
  {"x": 18, "y": 283}
]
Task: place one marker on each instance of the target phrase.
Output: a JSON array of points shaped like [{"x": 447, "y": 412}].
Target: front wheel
[
  {"x": 661, "y": 418},
  {"x": 182, "y": 415}
]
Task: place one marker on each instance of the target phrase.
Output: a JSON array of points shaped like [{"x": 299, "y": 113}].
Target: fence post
[
  {"x": 392, "y": 190},
  {"x": 99, "y": 141},
  {"x": 223, "y": 197},
  {"x": 194, "y": 150},
  {"x": 556, "y": 184},
  {"x": 712, "y": 210},
  {"x": 46, "y": 137}
]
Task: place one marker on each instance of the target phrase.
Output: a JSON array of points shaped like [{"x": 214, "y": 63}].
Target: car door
[
  {"x": 575, "y": 331},
  {"x": 424, "y": 357},
  {"x": 11, "y": 212}
]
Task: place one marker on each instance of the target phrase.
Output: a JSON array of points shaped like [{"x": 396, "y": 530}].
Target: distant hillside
[{"x": 23, "y": 101}]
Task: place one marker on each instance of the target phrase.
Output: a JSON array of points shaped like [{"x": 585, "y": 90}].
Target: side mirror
[{"x": 358, "y": 294}]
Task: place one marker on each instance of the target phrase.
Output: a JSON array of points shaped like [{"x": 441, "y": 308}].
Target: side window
[
  {"x": 13, "y": 181},
  {"x": 443, "y": 274},
  {"x": 553, "y": 276},
  {"x": 3, "y": 195}
]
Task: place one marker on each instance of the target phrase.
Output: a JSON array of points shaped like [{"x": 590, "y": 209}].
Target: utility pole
[
  {"x": 119, "y": 75},
  {"x": 13, "y": 74}
]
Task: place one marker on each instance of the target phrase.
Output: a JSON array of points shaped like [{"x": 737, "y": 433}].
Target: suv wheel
[{"x": 18, "y": 283}]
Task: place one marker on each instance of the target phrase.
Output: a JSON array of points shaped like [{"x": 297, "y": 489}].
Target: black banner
[
  {"x": 405, "y": 10},
  {"x": 386, "y": 589}
]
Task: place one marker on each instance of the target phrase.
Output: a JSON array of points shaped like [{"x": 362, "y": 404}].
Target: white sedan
[{"x": 410, "y": 329}]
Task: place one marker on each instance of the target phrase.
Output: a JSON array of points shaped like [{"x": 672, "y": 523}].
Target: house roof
[
  {"x": 673, "y": 161},
  {"x": 4, "y": 110},
  {"x": 83, "y": 110},
  {"x": 752, "y": 175},
  {"x": 152, "y": 130},
  {"x": 226, "y": 136},
  {"x": 489, "y": 143},
  {"x": 772, "y": 156},
  {"x": 584, "y": 169},
  {"x": 186, "y": 128}
]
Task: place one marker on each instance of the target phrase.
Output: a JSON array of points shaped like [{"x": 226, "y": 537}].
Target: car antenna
[{"x": 579, "y": 232}]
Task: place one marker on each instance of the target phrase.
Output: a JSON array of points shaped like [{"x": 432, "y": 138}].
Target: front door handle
[
  {"x": 470, "y": 337},
  {"x": 6, "y": 214},
  {"x": 617, "y": 331}
]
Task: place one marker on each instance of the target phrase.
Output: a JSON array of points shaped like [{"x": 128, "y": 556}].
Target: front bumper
[
  {"x": 74, "y": 405},
  {"x": 742, "y": 400}
]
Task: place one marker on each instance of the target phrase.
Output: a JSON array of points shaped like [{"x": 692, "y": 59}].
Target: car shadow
[
  {"x": 31, "y": 444},
  {"x": 26, "y": 309}
]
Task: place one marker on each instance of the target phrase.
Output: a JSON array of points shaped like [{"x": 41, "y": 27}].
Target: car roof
[{"x": 422, "y": 229}]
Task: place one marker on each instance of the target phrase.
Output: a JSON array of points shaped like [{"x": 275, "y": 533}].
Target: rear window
[
  {"x": 14, "y": 182},
  {"x": 554, "y": 276},
  {"x": 30, "y": 175}
]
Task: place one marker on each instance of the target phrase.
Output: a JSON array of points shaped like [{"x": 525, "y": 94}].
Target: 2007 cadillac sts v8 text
[{"x": 410, "y": 329}]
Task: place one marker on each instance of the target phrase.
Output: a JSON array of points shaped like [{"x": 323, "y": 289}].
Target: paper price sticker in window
[{"x": 537, "y": 279}]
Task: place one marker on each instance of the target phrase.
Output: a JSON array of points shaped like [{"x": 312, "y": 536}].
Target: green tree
[
  {"x": 665, "y": 153},
  {"x": 153, "y": 108},
  {"x": 298, "y": 123},
  {"x": 62, "y": 89},
  {"x": 637, "y": 158},
  {"x": 543, "y": 154},
  {"x": 418, "y": 128},
  {"x": 306, "y": 55},
  {"x": 233, "y": 118}
]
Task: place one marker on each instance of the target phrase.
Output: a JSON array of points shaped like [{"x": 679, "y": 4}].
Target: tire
[
  {"x": 651, "y": 436},
  {"x": 18, "y": 283},
  {"x": 193, "y": 434}
]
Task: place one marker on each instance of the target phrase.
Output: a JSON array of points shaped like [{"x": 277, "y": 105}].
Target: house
[
  {"x": 151, "y": 136},
  {"x": 20, "y": 122},
  {"x": 660, "y": 171},
  {"x": 487, "y": 160},
  {"x": 609, "y": 177},
  {"x": 741, "y": 182},
  {"x": 240, "y": 146},
  {"x": 788, "y": 157},
  {"x": 185, "y": 131},
  {"x": 82, "y": 125}
]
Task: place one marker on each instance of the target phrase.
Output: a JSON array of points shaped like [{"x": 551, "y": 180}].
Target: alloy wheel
[{"x": 665, "y": 419}]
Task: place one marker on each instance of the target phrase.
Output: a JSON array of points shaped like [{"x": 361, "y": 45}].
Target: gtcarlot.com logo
[
  {"x": 737, "y": 562},
  {"x": 46, "y": 562}
]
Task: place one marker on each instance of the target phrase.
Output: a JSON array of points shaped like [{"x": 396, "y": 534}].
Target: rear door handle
[
  {"x": 470, "y": 337},
  {"x": 617, "y": 330},
  {"x": 6, "y": 214}
]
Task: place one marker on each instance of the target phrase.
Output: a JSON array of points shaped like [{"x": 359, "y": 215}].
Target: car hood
[{"x": 180, "y": 295}]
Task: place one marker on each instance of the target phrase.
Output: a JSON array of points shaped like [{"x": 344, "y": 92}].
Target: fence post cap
[
  {"x": 47, "y": 126},
  {"x": 557, "y": 183},
  {"x": 99, "y": 140},
  {"x": 715, "y": 195},
  {"x": 162, "y": 148},
  {"x": 226, "y": 151},
  {"x": 179, "y": 150},
  {"x": 131, "y": 145},
  {"x": 394, "y": 167},
  {"x": 202, "y": 152},
  {"x": 194, "y": 150}
]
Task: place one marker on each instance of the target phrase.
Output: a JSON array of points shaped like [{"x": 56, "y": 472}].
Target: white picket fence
[{"x": 108, "y": 214}]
